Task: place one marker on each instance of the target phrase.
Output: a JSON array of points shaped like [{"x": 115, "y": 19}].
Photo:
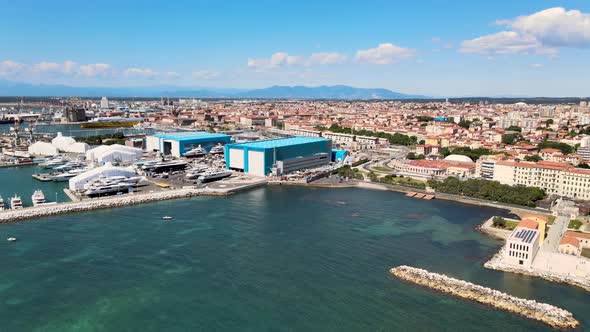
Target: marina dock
[
  {"x": 543, "y": 312},
  {"x": 44, "y": 177}
]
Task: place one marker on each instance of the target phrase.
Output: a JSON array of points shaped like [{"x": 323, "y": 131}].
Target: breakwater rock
[
  {"x": 546, "y": 313},
  {"x": 93, "y": 204}
]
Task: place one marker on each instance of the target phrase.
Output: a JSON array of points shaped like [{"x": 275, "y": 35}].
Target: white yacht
[
  {"x": 99, "y": 190},
  {"x": 65, "y": 176},
  {"x": 195, "y": 172},
  {"x": 111, "y": 180},
  {"x": 54, "y": 162},
  {"x": 213, "y": 176},
  {"x": 38, "y": 198},
  {"x": 70, "y": 165},
  {"x": 196, "y": 152},
  {"x": 1, "y": 203},
  {"x": 218, "y": 149},
  {"x": 16, "y": 203}
]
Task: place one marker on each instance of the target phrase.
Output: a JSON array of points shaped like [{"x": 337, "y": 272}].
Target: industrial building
[
  {"x": 278, "y": 156},
  {"x": 176, "y": 144}
]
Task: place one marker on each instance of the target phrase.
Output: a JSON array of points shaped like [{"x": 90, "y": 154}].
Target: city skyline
[{"x": 429, "y": 48}]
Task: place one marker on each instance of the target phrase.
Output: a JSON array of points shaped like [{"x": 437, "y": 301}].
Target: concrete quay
[
  {"x": 570, "y": 270},
  {"x": 94, "y": 204},
  {"x": 543, "y": 312},
  {"x": 220, "y": 188}
]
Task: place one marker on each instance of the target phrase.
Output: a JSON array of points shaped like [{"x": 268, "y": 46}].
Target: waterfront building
[
  {"x": 522, "y": 244},
  {"x": 583, "y": 238},
  {"x": 556, "y": 178},
  {"x": 569, "y": 245},
  {"x": 279, "y": 156},
  {"x": 176, "y": 144}
]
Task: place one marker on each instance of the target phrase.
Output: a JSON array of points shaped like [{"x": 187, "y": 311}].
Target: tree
[
  {"x": 534, "y": 158},
  {"x": 422, "y": 142},
  {"x": 584, "y": 165},
  {"x": 564, "y": 148},
  {"x": 548, "y": 122},
  {"x": 422, "y": 118},
  {"x": 510, "y": 139},
  {"x": 499, "y": 222},
  {"x": 373, "y": 177},
  {"x": 411, "y": 156},
  {"x": 514, "y": 128},
  {"x": 465, "y": 124}
]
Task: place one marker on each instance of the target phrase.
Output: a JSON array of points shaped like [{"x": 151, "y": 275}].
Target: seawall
[
  {"x": 93, "y": 204},
  {"x": 495, "y": 263},
  {"x": 543, "y": 312}
]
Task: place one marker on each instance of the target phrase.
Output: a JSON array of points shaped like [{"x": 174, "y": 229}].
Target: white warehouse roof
[
  {"x": 43, "y": 149},
  {"x": 78, "y": 181},
  {"x": 115, "y": 152}
]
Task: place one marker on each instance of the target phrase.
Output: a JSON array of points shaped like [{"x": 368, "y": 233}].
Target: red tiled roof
[
  {"x": 570, "y": 240},
  {"x": 528, "y": 223},
  {"x": 578, "y": 235}
]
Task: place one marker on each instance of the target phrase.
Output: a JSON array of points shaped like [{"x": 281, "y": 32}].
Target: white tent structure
[
  {"x": 69, "y": 144},
  {"x": 78, "y": 181},
  {"x": 78, "y": 147},
  {"x": 43, "y": 149},
  {"x": 115, "y": 152},
  {"x": 61, "y": 141}
]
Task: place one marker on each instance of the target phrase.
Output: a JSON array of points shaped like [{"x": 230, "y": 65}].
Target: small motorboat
[
  {"x": 11, "y": 239},
  {"x": 167, "y": 218}
]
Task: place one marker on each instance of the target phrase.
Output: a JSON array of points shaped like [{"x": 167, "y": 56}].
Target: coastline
[
  {"x": 495, "y": 264},
  {"x": 515, "y": 209}
]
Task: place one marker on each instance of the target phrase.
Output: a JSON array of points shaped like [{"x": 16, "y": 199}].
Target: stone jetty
[
  {"x": 93, "y": 204},
  {"x": 546, "y": 313}
]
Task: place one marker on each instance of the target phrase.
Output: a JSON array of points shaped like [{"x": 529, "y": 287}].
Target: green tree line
[
  {"x": 489, "y": 190},
  {"x": 395, "y": 139}
]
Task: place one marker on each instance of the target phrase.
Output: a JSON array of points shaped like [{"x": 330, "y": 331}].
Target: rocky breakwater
[
  {"x": 546, "y": 313},
  {"x": 93, "y": 204}
]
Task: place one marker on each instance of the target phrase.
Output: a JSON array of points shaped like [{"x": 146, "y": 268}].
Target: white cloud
[
  {"x": 555, "y": 27},
  {"x": 45, "y": 67},
  {"x": 170, "y": 74},
  {"x": 69, "y": 67},
  {"x": 276, "y": 60},
  {"x": 327, "y": 58},
  {"x": 140, "y": 72},
  {"x": 384, "y": 54},
  {"x": 537, "y": 65},
  {"x": 95, "y": 69},
  {"x": 9, "y": 68},
  {"x": 543, "y": 32},
  {"x": 205, "y": 75},
  {"x": 282, "y": 59},
  {"x": 505, "y": 42}
]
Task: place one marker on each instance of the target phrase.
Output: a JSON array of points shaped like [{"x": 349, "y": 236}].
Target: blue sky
[{"x": 436, "y": 47}]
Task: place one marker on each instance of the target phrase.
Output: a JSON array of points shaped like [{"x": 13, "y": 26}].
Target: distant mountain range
[{"x": 9, "y": 88}]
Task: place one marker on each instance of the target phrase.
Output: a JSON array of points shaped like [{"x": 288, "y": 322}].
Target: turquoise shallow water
[
  {"x": 18, "y": 180},
  {"x": 272, "y": 259}
]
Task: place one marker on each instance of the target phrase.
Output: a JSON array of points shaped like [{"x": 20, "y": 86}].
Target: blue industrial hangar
[
  {"x": 177, "y": 143},
  {"x": 278, "y": 156}
]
